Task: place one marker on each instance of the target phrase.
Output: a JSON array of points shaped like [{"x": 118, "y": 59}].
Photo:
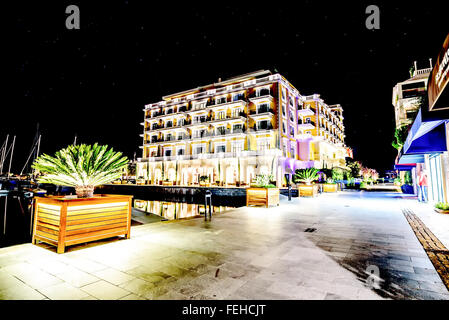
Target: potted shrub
[
  {"x": 166, "y": 182},
  {"x": 204, "y": 181},
  {"x": 330, "y": 186},
  {"x": 307, "y": 176},
  {"x": 81, "y": 166},
  {"x": 262, "y": 192},
  {"x": 69, "y": 220},
  {"x": 442, "y": 207}
]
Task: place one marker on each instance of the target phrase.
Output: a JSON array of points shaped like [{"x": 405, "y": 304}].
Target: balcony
[
  {"x": 227, "y": 103},
  {"x": 260, "y": 128},
  {"x": 306, "y": 125},
  {"x": 305, "y": 111},
  {"x": 266, "y": 96},
  {"x": 239, "y": 154},
  {"x": 261, "y": 112}
]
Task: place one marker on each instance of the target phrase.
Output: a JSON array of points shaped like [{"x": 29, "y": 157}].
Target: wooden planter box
[
  {"x": 63, "y": 222},
  {"x": 262, "y": 197},
  {"x": 167, "y": 183},
  {"x": 441, "y": 211},
  {"x": 330, "y": 187},
  {"x": 308, "y": 190}
]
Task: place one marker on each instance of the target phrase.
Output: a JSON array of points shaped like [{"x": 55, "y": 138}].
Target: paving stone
[{"x": 103, "y": 290}]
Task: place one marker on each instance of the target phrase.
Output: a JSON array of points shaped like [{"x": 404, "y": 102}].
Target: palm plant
[
  {"x": 81, "y": 166},
  {"x": 306, "y": 175}
]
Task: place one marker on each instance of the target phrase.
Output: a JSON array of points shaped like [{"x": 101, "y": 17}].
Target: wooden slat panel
[
  {"x": 91, "y": 237},
  {"x": 121, "y": 229},
  {"x": 77, "y": 232},
  {"x": 45, "y": 239},
  {"x": 95, "y": 210},
  {"x": 94, "y": 215},
  {"x": 95, "y": 224},
  {"x": 48, "y": 225},
  {"x": 47, "y": 230},
  {"x": 48, "y": 216},
  {"x": 46, "y": 220},
  {"x": 48, "y": 211},
  {"x": 96, "y": 219},
  {"x": 46, "y": 235}
]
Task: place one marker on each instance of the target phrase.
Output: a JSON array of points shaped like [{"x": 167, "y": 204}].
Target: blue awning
[{"x": 423, "y": 138}]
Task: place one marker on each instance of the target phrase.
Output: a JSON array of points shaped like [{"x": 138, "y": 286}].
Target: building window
[
  {"x": 169, "y": 124},
  {"x": 263, "y": 144},
  {"x": 292, "y": 131},
  {"x": 153, "y": 139},
  {"x": 221, "y": 130},
  {"x": 237, "y": 112},
  {"x": 220, "y": 148},
  {"x": 237, "y": 128},
  {"x": 238, "y": 96},
  {"x": 220, "y": 115},
  {"x": 154, "y": 126},
  {"x": 292, "y": 118},
  {"x": 168, "y": 137},
  {"x": 283, "y": 110},
  {"x": 167, "y": 152},
  {"x": 284, "y": 93},
  {"x": 220, "y": 100},
  {"x": 181, "y": 151},
  {"x": 237, "y": 146},
  {"x": 169, "y": 111},
  {"x": 264, "y": 107},
  {"x": 200, "y": 105},
  {"x": 263, "y": 125},
  {"x": 283, "y": 127},
  {"x": 199, "y": 149},
  {"x": 292, "y": 152},
  {"x": 262, "y": 92}
]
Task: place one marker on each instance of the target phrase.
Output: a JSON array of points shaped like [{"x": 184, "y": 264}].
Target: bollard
[{"x": 208, "y": 196}]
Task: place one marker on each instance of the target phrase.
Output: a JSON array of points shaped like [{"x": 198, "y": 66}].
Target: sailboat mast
[
  {"x": 38, "y": 146},
  {"x": 2, "y": 158},
  {"x": 10, "y": 159}
]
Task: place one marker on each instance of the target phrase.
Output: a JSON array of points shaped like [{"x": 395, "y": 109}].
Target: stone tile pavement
[{"x": 246, "y": 253}]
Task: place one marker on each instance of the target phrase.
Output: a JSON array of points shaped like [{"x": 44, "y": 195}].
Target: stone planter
[
  {"x": 308, "y": 190},
  {"x": 62, "y": 221},
  {"x": 262, "y": 197},
  {"x": 330, "y": 187}
]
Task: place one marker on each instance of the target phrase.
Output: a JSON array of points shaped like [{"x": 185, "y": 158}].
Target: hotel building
[
  {"x": 232, "y": 130},
  {"x": 408, "y": 95}
]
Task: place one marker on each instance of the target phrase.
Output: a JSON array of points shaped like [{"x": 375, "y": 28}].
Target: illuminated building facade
[
  {"x": 232, "y": 130},
  {"x": 408, "y": 95}
]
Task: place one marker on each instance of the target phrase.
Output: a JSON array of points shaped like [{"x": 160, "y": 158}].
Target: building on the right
[
  {"x": 426, "y": 147},
  {"x": 408, "y": 95}
]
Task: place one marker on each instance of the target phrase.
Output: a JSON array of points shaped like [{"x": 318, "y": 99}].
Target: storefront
[{"x": 426, "y": 146}]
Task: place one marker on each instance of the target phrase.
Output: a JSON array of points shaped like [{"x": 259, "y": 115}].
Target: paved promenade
[{"x": 247, "y": 253}]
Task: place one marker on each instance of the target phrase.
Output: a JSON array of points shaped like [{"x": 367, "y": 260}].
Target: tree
[{"x": 400, "y": 135}]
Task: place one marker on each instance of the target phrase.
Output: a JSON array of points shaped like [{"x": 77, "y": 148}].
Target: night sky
[{"x": 94, "y": 82}]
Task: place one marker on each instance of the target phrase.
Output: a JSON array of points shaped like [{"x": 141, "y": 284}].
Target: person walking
[{"x": 422, "y": 184}]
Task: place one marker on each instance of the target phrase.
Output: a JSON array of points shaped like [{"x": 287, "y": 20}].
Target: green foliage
[
  {"x": 337, "y": 174},
  {"x": 81, "y": 165},
  {"x": 442, "y": 206},
  {"x": 263, "y": 181},
  {"x": 204, "y": 178},
  {"x": 355, "y": 167},
  {"x": 408, "y": 178},
  {"x": 306, "y": 175},
  {"x": 400, "y": 135}
]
